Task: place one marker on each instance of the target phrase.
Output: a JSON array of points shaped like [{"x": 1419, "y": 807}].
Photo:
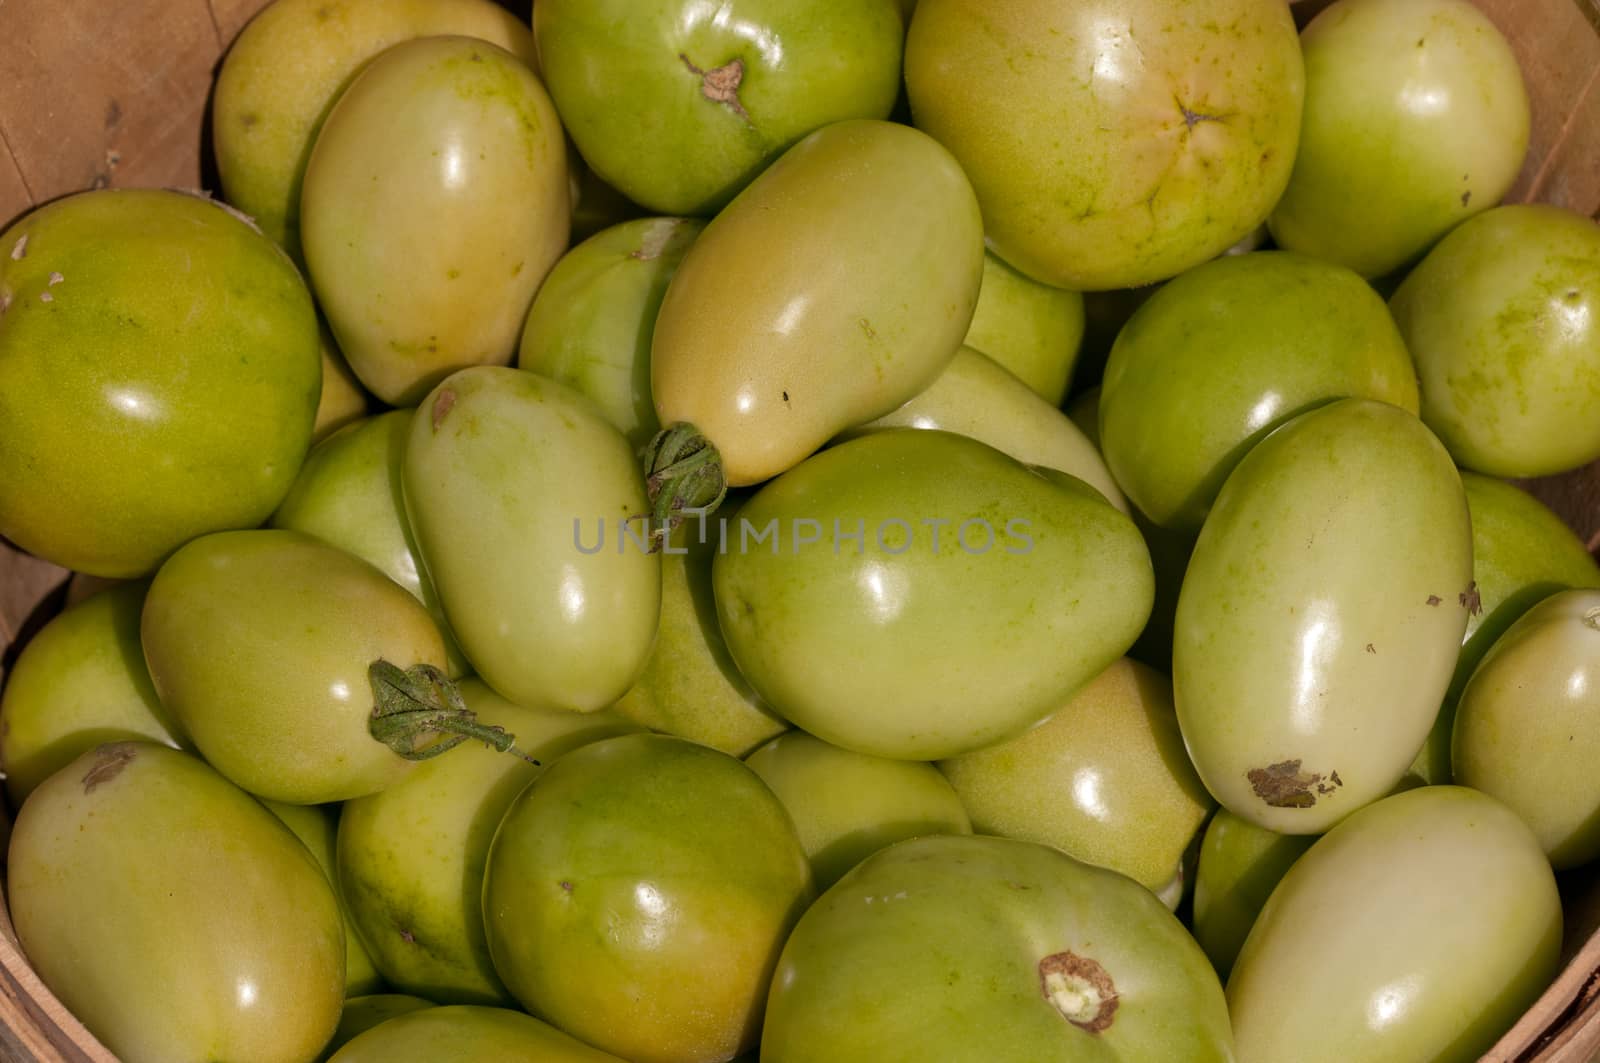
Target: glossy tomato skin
[
  {"x": 259, "y": 644},
  {"x": 1032, "y": 329},
  {"x": 1416, "y": 119},
  {"x": 772, "y": 354},
  {"x": 221, "y": 938},
  {"x": 159, "y": 376},
  {"x": 80, "y": 681},
  {"x": 679, "y": 105},
  {"x": 638, "y": 894},
  {"x": 989, "y": 948},
  {"x": 435, "y": 201},
  {"x": 1321, "y": 615},
  {"x": 466, "y": 1034},
  {"x": 523, "y": 498},
  {"x": 1240, "y": 864},
  {"x": 975, "y": 595},
  {"x": 1525, "y": 730},
  {"x": 1391, "y": 903}
]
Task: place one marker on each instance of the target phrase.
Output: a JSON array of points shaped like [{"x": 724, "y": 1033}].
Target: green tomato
[
  {"x": 638, "y": 893},
  {"x": 917, "y": 594},
  {"x": 411, "y": 858},
  {"x": 1085, "y": 413},
  {"x": 680, "y": 104},
  {"x": 979, "y": 398},
  {"x": 1521, "y": 554},
  {"x": 361, "y": 1014},
  {"x": 1105, "y": 780},
  {"x": 317, "y": 828},
  {"x": 591, "y": 323},
  {"x": 1223, "y": 355},
  {"x": 1503, "y": 319},
  {"x": 1415, "y": 119},
  {"x": 1321, "y": 615},
  {"x": 771, "y": 355},
  {"x": 846, "y": 806},
  {"x": 158, "y": 377},
  {"x": 259, "y": 644},
  {"x": 172, "y": 914},
  {"x": 690, "y": 686},
  {"x": 1240, "y": 865},
  {"x": 80, "y": 682},
  {"x": 1112, "y": 143},
  {"x": 417, "y": 262},
  {"x": 988, "y": 948},
  {"x": 342, "y": 399},
  {"x": 1032, "y": 329},
  {"x": 286, "y": 69},
  {"x": 517, "y": 490},
  {"x": 465, "y": 1034},
  {"x": 348, "y": 495},
  {"x": 1526, "y": 730},
  {"x": 1378, "y": 944}
]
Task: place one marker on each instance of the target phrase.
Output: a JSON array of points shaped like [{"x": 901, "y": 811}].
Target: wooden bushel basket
[{"x": 94, "y": 93}]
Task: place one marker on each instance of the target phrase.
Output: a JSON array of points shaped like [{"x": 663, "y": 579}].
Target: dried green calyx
[{"x": 419, "y": 713}]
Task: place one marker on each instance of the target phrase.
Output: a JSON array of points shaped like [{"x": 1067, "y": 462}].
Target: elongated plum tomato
[
  {"x": 833, "y": 289},
  {"x": 975, "y": 948},
  {"x": 158, "y": 377},
  {"x": 259, "y": 643},
  {"x": 435, "y": 201},
  {"x": 172, "y": 913},
  {"x": 1321, "y": 615},
  {"x": 917, "y": 594},
  {"x": 511, "y": 480},
  {"x": 638, "y": 893},
  {"x": 1528, "y": 728},
  {"x": 466, "y": 1034},
  {"x": 1378, "y": 946}
]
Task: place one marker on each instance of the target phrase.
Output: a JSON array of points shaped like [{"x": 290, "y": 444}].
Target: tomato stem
[
  {"x": 419, "y": 713},
  {"x": 683, "y": 472}
]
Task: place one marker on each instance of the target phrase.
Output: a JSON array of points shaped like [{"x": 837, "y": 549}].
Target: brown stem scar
[
  {"x": 108, "y": 764},
  {"x": 1284, "y": 785},
  {"x": 721, "y": 84},
  {"x": 20, "y": 249},
  {"x": 442, "y": 407},
  {"x": 1080, "y": 989}
]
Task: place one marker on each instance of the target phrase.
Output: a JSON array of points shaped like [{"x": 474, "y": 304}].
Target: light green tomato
[
  {"x": 285, "y": 71},
  {"x": 978, "y": 397},
  {"x": 846, "y": 806},
  {"x": 680, "y": 104},
  {"x": 259, "y": 644},
  {"x": 1503, "y": 319},
  {"x": 1321, "y": 615},
  {"x": 974, "y": 948},
  {"x": 510, "y": 481},
  {"x": 1112, "y": 143},
  {"x": 158, "y": 377},
  {"x": 1085, "y": 413},
  {"x": 172, "y": 914},
  {"x": 465, "y": 1034},
  {"x": 1378, "y": 944},
  {"x": 411, "y": 858},
  {"x": 1521, "y": 554},
  {"x": 591, "y": 323},
  {"x": 317, "y": 828},
  {"x": 348, "y": 495},
  {"x": 770, "y": 355},
  {"x": 342, "y": 399},
  {"x": 638, "y": 894},
  {"x": 1415, "y": 119},
  {"x": 690, "y": 686},
  {"x": 1032, "y": 329},
  {"x": 361, "y": 1014},
  {"x": 1224, "y": 354},
  {"x": 416, "y": 259},
  {"x": 79, "y": 682},
  {"x": 1240, "y": 865},
  {"x": 919, "y": 594},
  {"x": 1528, "y": 727},
  {"x": 1105, "y": 780}
]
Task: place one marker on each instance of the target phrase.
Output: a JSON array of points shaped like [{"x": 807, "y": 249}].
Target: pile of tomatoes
[{"x": 591, "y": 562}]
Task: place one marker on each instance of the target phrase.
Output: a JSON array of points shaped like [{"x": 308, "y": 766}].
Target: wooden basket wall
[{"x": 95, "y": 94}]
